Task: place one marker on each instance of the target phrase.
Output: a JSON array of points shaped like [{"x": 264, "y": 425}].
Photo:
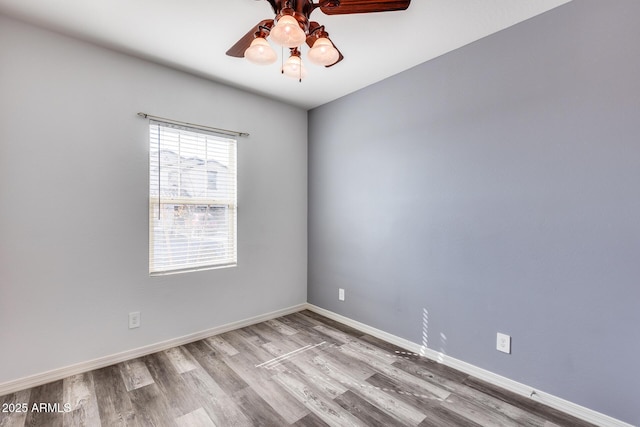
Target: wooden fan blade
[
  {"x": 237, "y": 50},
  {"x": 365, "y": 6}
]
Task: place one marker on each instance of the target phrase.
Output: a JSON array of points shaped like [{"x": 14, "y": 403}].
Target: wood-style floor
[{"x": 297, "y": 370}]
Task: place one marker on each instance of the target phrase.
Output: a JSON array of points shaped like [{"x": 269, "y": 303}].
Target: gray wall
[
  {"x": 495, "y": 189},
  {"x": 74, "y": 197}
]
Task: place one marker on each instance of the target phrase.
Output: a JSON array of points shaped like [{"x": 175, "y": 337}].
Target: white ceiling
[{"x": 193, "y": 35}]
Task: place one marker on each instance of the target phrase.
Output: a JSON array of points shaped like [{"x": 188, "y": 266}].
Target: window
[{"x": 192, "y": 199}]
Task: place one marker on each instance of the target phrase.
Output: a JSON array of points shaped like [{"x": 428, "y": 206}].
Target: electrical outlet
[
  {"x": 134, "y": 319},
  {"x": 503, "y": 343},
  {"x": 341, "y": 294}
]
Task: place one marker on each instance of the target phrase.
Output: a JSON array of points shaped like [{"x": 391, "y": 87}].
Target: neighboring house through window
[{"x": 192, "y": 199}]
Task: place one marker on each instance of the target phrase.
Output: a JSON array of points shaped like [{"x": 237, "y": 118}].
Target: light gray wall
[
  {"x": 74, "y": 197},
  {"x": 495, "y": 189}
]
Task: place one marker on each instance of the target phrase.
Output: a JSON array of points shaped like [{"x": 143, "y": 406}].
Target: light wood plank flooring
[{"x": 297, "y": 370}]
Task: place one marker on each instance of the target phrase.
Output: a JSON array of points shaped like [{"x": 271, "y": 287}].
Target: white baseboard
[
  {"x": 558, "y": 403},
  {"x": 101, "y": 362}
]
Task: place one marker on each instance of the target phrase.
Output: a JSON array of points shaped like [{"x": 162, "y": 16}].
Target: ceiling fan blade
[
  {"x": 364, "y": 6},
  {"x": 237, "y": 50}
]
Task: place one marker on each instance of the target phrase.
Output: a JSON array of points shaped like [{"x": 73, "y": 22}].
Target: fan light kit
[{"x": 291, "y": 28}]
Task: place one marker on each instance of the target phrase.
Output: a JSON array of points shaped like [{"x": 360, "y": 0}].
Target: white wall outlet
[
  {"x": 503, "y": 343},
  {"x": 341, "y": 294},
  {"x": 134, "y": 319}
]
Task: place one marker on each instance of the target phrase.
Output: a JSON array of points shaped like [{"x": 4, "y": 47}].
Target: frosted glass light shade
[
  {"x": 287, "y": 32},
  {"x": 293, "y": 68},
  {"x": 323, "y": 52},
  {"x": 260, "y": 52}
]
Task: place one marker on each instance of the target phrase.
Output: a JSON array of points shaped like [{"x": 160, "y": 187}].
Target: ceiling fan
[{"x": 291, "y": 28}]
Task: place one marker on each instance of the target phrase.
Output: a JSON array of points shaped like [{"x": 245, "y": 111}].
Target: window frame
[{"x": 159, "y": 203}]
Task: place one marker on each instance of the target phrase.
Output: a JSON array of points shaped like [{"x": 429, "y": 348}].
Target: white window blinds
[{"x": 192, "y": 199}]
